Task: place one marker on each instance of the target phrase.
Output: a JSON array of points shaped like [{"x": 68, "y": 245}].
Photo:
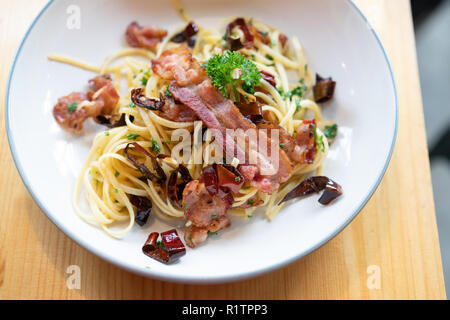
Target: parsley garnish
[
  {"x": 246, "y": 187},
  {"x": 185, "y": 206},
  {"x": 106, "y": 133},
  {"x": 237, "y": 179},
  {"x": 167, "y": 92},
  {"x": 215, "y": 233},
  {"x": 72, "y": 107},
  {"x": 117, "y": 173},
  {"x": 132, "y": 136},
  {"x": 297, "y": 91},
  {"x": 215, "y": 216},
  {"x": 155, "y": 146},
  {"x": 331, "y": 131},
  {"x": 220, "y": 68},
  {"x": 250, "y": 202},
  {"x": 132, "y": 105}
]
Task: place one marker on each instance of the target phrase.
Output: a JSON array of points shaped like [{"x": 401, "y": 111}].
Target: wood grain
[{"x": 396, "y": 231}]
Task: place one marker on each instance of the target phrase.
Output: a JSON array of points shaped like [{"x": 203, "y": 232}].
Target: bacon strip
[
  {"x": 71, "y": 111},
  {"x": 144, "y": 37},
  {"x": 194, "y": 89}
]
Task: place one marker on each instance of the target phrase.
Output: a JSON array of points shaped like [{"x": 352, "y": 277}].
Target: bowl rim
[{"x": 194, "y": 279}]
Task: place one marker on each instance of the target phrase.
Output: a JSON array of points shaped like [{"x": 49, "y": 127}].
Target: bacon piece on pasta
[
  {"x": 306, "y": 141},
  {"x": 179, "y": 65},
  {"x": 177, "y": 112},
  {"x": 71, "y": 111},
  {"x": 144, "y": 37}
]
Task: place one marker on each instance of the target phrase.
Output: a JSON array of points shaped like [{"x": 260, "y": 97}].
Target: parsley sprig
[{"x": 230, "y": 69}]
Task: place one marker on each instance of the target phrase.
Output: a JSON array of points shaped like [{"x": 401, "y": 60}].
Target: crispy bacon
[
  {"x": 195, "y": 235},
  {"x": 144, "y": 37},
  {"x": 287, "y": 142},
  {"x": 191, "y": 87},
  {"x": 179, "y": 65},
  {"x": 306, "y": 141},
  {"x": 71, "y": 111},
  {"x": 177, "y": 112},
  {"x": 200, "y": 206}
]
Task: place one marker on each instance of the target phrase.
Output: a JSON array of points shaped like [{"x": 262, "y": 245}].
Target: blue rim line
[{"x": 196, "y": 280}]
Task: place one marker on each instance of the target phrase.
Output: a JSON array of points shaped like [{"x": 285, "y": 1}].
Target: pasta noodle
[{"x": 107, "y": 176}]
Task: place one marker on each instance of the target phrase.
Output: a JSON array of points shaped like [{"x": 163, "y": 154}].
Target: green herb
[
  {"x": 215, "y": 216},
  {"x": 116, "y": 191},
  {"x": 297, "y": 91},
  {"x": 144, "y": 81},
  {"x": 160, "y": 244},
  {"x": 237, "y": 179},
  {"x": 132, "y": 136},
  {"x": 249, "y": 216},
  {"x": 269, "y": 57},
  {"x": 281, "y": 145},
  {"x": 250, "y": 202},
  {"x": 72, "y": 107},
  {"x": 298, "y": 105},
  {"x": 306, "y": 67},
  {"x": 246, "y": 187},
  {"x": 107, "y": 133},
  {"x": 132, "y": 105},
  {"x": 117, "y": 173},
  {"x": 185, "y": 206},
  {"x": 181, "y": 10},
  {"x": 319, "y": 140},
  {"x": 155, "y": 146},
  {"x": 220, "y": 68},
  {"x": 215, "y": 233},
  {"x": 167, "y": 92},
  {"x": 331, "y": 131},
  {"x": 168, "y": 141}
]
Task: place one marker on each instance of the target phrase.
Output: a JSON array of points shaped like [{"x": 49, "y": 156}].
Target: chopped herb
[
  {"x": 160, "y": 244},
  {"x": 237, "y": 179},
  {"x": 215, "y": 216},
  {"x": 144, "y": 81},
  {"x": 185, "y": 206},
  {"x": 246, "y": 187},
  {"x": 249, "y": 216},
  {"x": 132, "y": 136},
  {"x": 107, "y": 133},
  {"x": 220, "y": 68},
  {"x": 155, "y": 146},
  {"x": 132, "y": 105},
  {"x": 298, "y": 105},
  {"x": 168, "y": 141},
  {"x": 319, "y": 140},
  {"x": 297, "y": 91},
  {"x": 72, "y": 107},
  {"x": 269, "y": 57},
  {"x": 331, "y": 131},
  {"x": 306, "y": 67},
  {"x": 117, "y": 173},
  {"x": 281, "y": 145},
  {"x": 215, "y": 233},
  {"x": 250, "y": 202},
  {"x": 116, "y": 191},
  {"x": 147, "y": 267},
  {"x": 167, "y": 92}
]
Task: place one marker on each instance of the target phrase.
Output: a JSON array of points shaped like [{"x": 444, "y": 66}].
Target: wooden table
[{"x": 394, "y": 234}]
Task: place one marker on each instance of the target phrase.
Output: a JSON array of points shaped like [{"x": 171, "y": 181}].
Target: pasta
[{"x": 108, "y": 178}]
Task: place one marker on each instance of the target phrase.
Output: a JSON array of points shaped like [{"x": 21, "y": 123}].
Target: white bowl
[{"x": 339, "y": 42}]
